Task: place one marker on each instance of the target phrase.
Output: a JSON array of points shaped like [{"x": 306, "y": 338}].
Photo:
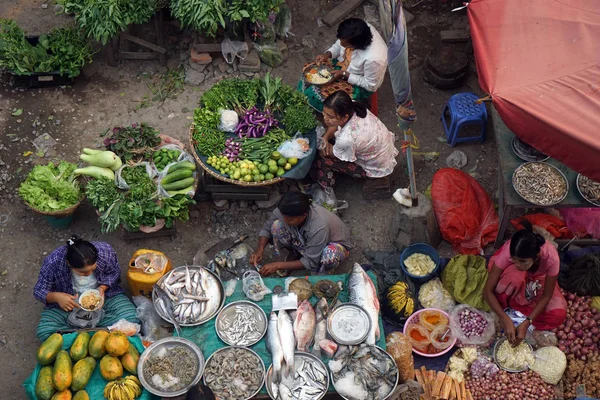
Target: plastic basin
[
  {"x": 423, "y": 249},
  {"x": 415, "y": 317}
]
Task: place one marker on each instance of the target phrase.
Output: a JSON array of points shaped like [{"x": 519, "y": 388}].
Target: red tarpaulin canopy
[{"x": 540, "y": 61}]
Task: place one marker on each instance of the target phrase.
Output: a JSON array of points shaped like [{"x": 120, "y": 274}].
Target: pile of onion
[
  {"x": 579, "y": 333},
  {"x": 504, "y": 385}
]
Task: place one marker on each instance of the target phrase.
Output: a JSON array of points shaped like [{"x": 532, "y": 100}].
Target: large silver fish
[
  {"x": 274, "y": 346},
  {"x": 168, "y": 305},
  {"x": 286, "y": 337},
  {"x": 321, "y": 328},
  {"x": 304, "y": 325},
  {"x": 362, "y": 293}
]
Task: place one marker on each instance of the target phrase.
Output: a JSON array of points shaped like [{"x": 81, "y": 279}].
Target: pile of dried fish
[
  {"x": 234, "y": 373},
  {"x": 540, "y": 183},
  {"x": 363, "y": 372},
  {"x": 241, "y": 324},
  {"x": 187, "y": 291},
  {"x": 171, "y": 369},
  {"x": 589, "y": 189},
  {"x": 308, "y": 382}
]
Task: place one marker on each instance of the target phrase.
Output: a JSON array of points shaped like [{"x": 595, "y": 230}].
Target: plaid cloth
[{"x": 55, "y": 274}]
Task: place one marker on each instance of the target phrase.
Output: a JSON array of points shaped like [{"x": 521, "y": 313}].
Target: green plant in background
[
  {"x": 167, "y": 85},
  {"x": 254, "y": 10},
  {"x": 131, "y": 141},
  {"x": 69, "y": 51},
  {"x": 205, "y": 16},
  {"x": 105, "y": 19}
]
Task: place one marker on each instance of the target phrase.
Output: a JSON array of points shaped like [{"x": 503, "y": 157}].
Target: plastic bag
[
  {"x": 253, "y": 286},
  {"x": 410, "y": 390},
  {"x": 283, "y": 22},
  {"x": 149, "y": 317},
  {"x": 441, "y": 337},
  {"x": 229, "y": 120},
  {"x": 184, "y": 156},
  {"x": 485, "y": 337},
  {"x": 399, "y": 346},
  {"x": 230, "y": 286},
  {"x": 483, "y": 367},
  {"x": 464, "y": 211},
  {"x": 264, "y": 33},
  {"x": 550, "y": 364},
  {"x": 149, "y": 262},
  {"x": 125, "y": 327},
  {"x": 297, "y": 147},
  {"x": 582, "y": 221},
  {"x": 432, "y": 319},
  {"x": 419, "y": 337},
  {"x": 545, "y": 338},
  {"x": 120, "y": 182},
  {"x": 433, "y": 295},
  {"x": 272, "y": 54},
  {"x": 582, "y": 276},
  {"x": 82, "y": 319},
  {"x": 325, "y": 197},
  {"x": 232, "y": 49}
]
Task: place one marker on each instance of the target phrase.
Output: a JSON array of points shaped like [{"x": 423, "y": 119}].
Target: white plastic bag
[
  {"x": 125, "y": 327},
  {"x": 432, "y": 294},
  {"x": 232, "y": 49},
  {"x": 229, "y": 120},
  {"x": 297, "y": 147},
  {"x": 150, "y": 263},
  {"x": 149, "y": 317},
  {"x": 476, "y": 340},
  {"x": 253, "y": 286},
  {"x": 122, "y": 184},
  {"x": 184, "y": 156}
]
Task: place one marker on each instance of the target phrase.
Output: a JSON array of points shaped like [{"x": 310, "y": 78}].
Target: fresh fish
[
  {"x": 349, "y": 387},
  {"x": 328, "y": 346},
  {"x": 362, "y": 293},
  {"x": 194, "y": 298},
  {"x": 168, "y": 307},
  {"x": 274, "y": 346},
  {"x": 284, "y": 392},
  {"x": 304, "y": 325},
  {"x": 321, "y": 325},
  {"x": 188, "y": 280},
  {"x": 286, "y": 337}
]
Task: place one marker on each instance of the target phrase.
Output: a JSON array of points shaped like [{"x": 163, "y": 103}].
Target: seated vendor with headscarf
[
  {"x": 317, "y": 239},
  {"x": 359, "y": 60}
]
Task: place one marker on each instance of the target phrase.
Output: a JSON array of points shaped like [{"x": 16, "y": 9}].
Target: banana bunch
[
  {"x": 123, "y": 389},
  {"x": 400, "y": 298}
]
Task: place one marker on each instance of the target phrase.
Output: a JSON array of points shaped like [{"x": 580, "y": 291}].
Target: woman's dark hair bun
[
  {"x": 342, "y": 104},
  {"x": 73, "y": 240},
  {"x": 80, "y": 253},
  {"x": 525, "y": 243}
]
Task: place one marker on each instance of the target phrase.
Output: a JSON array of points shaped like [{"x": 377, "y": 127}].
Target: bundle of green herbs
[
  {"x": 63, "y": 50},
  {"x": 51, "y": 187},
  {"x": 132, "y": 142}
]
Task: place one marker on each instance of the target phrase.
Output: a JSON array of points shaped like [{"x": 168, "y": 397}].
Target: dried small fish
[
  {"x": 175, "y": 362},
  {"x": 589, "y": 189},
  {"x": 540, "y": 183},
  {"x": 242, "y": 329},
  {"x": 234, "y": 373}
]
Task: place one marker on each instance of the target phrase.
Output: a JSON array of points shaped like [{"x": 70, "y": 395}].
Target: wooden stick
[
  {"x": 426, "y": 383},
  {"x": 457, "y": 389},
  {"x": 452, "y": 390},
  {"x": 446, "y": 387},
  {"x": 419, "y": 377},
  {"x": 463, "y": 391},
  {"x": 437, "y": 385},
  {"x": 469, "y": 395}
]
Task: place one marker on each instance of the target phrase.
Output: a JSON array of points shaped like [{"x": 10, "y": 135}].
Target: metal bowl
[
  {"x": 497, "y": 346},
  {"x": 231, "y": 377},
  {"x": 348, "y": 324},
  {"x": 229, "y": 312},
  {"x": 318, "y": 68},
  {"x": 526, "y": 152},
  {"x": 393, "y": 388},
  {"x": 90, "y": 292},
  {"x": 597, "y": 204},
  {"x": 299, "y": 356},
  {"x": 169, "y": 343},
  {"x": 552, "y": 167},
  {"x": 216, "y": 294}
]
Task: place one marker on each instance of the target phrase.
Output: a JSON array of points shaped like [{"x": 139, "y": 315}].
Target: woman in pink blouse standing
[{"x": 356, "y": 142}]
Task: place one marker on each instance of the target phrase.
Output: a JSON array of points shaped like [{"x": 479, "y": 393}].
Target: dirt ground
[{"x": 104, "y": 97}]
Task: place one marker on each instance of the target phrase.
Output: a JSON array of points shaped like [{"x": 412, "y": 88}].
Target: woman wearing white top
[
  {"x": 359, "y": 60},
  {"x": 357, "y": 143}
]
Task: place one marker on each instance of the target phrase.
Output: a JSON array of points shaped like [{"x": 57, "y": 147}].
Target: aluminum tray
[
  {"x": 229, "y": 311},
  {"x": 348, "y": 324},
  {"x": 497, "y": 346},
  {"x": 582, "y": 195},
  {"x": 552, "y": 167},
  {"x": 299, "y": 356}
]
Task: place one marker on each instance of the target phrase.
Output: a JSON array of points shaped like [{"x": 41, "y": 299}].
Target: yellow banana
[{"x": 410, "y": 307}]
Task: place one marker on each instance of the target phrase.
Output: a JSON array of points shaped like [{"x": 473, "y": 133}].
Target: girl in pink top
[{"x": 523, "y": 276}]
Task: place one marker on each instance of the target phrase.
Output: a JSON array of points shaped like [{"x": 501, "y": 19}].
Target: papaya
[
  {"x": 44, "y": 388},
  {"x": 96, "y": 347},
  {"x": 130, "y": 360},
  {"x": 81, "y": 395},
  {"x": 47, "y": 352},
  {"x": 82, "y": 372},
  {"x": 79, "y": 349},
  {"x": 116, "y": 344},
  {"x": 110, "y": 368},
  {"x": 63, "y": 395},
  {"x": 62, "y": 371}
]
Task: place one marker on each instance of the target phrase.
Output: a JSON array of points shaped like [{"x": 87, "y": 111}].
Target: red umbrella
[{"x": 540, "y": 62}]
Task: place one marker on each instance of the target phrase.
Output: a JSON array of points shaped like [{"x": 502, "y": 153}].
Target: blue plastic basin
[{"x": 423, "y": 249}]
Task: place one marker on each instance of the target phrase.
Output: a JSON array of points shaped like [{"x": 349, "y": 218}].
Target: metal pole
[{"x": 408, "y": 138}]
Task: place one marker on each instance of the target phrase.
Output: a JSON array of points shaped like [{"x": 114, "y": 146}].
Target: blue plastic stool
[{"x": 463, "y": 111}]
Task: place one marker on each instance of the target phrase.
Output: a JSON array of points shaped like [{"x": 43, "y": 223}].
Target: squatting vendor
[{"x": 71, "y": 270}]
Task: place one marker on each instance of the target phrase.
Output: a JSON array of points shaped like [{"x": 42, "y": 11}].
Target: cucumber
[
  {"x": 177, "y": 176},
  {"x": 156, "y": 154},
  {"x": 157, "y": 160},
  {"x": 180, "y": 184},
  {"x": 183, "y": 165},
  {"x": 182, "y": 191}
]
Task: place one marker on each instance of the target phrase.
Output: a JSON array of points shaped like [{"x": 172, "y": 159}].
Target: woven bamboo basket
[
  {"x": 59, "y": 213},
  {"x": 220, "y": 177}
]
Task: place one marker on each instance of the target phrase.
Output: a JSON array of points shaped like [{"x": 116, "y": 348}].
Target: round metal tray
[
  {"x": 229, "y": 312},
  {"x": 299, "y": 356},
  {"x": 497, "y": 346},
  {"x": 231, "y": 377},
  {"x": 393, "y": 388},
  {"x": 169, "y": 343},
  {"x": 552, "y": 167},
  {"x": 348, "y": 324},
  {"x": 526, "y": 152},
  {"x": 216, "y": 295},
  {"x": 597, "y": 204},
  {"x": 318, "y": 67}
]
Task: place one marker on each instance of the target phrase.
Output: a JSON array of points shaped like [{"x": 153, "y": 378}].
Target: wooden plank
[
  {"x": 344, "y": 8},
  {"x": 142, "y": 235},
  {"x": 455, "y": 35},
  {"x": 137, "y": 55},
  {"x": 144, "y": 43},
  {"x": 208, "y": 47}
]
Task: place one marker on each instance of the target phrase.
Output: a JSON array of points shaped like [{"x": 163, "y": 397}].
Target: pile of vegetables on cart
[
  {"x": 141, "y": 182},
  {"x": 241, "y": 124}
]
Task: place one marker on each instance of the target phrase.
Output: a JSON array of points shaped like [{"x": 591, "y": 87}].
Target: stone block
[
  {"x": 251, "y": 63},
  {"x": 200, "y": 58},
  {"x": 415, "y": 225}
]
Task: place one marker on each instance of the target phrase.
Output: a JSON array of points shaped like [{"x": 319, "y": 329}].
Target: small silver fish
[
  {"x": 188, "y": 281},
  {"x": 194, "y": 297}
]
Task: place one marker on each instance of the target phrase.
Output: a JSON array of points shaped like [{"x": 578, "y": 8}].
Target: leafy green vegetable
[
  {"x": 232, "y": 94},
  {"x": 268, "y": 90},
  {"x": 176, "y": 207},
  {"x": 141, "y": 186},
  {"x": 205, "y": 16},
  {"x": 133, "y": 214},
  {"x": 254, "y": 10},
  {"x": 298, "y": 120},
  {"x": 129, "y": 142},
  {"x": 51, "y": 187},
  {"x": 208, "y": 140},
  {"x": 102, "y": 193}
]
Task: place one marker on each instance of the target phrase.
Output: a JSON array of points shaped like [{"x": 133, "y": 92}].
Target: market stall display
[
  {"x": 513, "y": 358},
  {"x": 429, "y": 332},
  {"x": 589, "y": 189},
  {"x": 438, "y": 385},
  {"x": 420, "y": 262},
  {"x": 244, "y": 148},
  {"x": 311, "y": 379},
  {"x": 578, "y": 334},
  {"x": 505, "y": 385},
  {"x": 242, "y": 323},
  {"x": 540, "y": 183}
]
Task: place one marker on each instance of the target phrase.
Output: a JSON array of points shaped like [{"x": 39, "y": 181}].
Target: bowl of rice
[{"x": 91, "y": 300}]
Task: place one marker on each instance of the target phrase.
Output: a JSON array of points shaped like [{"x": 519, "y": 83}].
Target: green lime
[
  {"x": 293, "y": 161},
  {"x": 273, "y": 169},
  {"x": 287, "y": 166},
  {"x": 281, "y": 162},
  {"x": 256, "y": 178},
  {"x": 275, "y": 155},
  {"x": 255, "y": 172},
  {"x": 261, "y": 177},
  {"x": 269, "y": 176},
  {"x": 248, "y": 178},
  {"x": 263, "y": 168},
  {"x": 271, "y": 162},
  {"x": 236, "y": 174},
  {"x": 280, "y": 172}
]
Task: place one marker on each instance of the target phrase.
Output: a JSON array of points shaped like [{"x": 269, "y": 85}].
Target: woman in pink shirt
[{"x": 523, "y": 276}]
